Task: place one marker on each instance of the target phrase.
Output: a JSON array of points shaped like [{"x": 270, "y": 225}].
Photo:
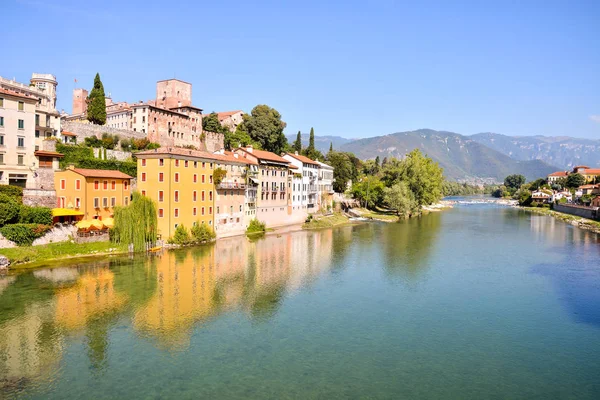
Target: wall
[
  {"x": 214, "y": 141},
  {"x": 40, "y": 197},
  {"x": 580, "y": 211},
  {"x": 59, "y": 233},
  {"x": 88, "y": 130},
  {"x": 112, "y": 154}
]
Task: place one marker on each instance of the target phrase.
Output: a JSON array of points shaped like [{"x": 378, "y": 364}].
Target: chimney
[
  {"x": 71, "y": 166},
  {"x": 235, "y": 155},
  {"x": 249, "y": 148},
  {"x": 296, "y": 153}
]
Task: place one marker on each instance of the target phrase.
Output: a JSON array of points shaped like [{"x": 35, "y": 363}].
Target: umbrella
[
  {"x": 96, "y": 224},
  {"x": 108, "y": 222},
  {"x": 83, "y": 225}
]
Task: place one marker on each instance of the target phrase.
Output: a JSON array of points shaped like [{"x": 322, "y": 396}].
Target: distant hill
[
  {"x": 321, "y": 142},
  {"x": 462, "y": 157},
  {"x": 562, "y": 151}
]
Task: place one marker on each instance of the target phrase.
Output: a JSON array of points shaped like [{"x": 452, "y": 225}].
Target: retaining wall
[
  {"x": 580, "y": 211},
  {"x": 41, "y": 197}
]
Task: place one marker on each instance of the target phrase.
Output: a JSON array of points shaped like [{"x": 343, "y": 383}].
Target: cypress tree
[
  {"x": 96, "y": 109},
  {"x": 330, "y": 146},
  {"x": 298, "y": 143},
  {"x": 311, "y": 141}
]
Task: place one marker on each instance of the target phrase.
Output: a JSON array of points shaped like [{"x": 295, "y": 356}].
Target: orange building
[{"x": 95, "y": 192}]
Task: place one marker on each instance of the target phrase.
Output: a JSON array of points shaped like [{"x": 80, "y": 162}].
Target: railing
[
  {"x": 313, "y": 188},
  {"x": 231, "y": 185}
]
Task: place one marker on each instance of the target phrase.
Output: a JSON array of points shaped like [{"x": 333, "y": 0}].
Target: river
[{"x": 480, "y": 301}]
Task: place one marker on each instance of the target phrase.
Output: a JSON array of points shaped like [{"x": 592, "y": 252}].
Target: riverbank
[
  {"x": 327, "y": 221},
  {"x": 30, "y": 256},
  {"x": 574, "y": 220},
  {"x": 383, "y": 215}
]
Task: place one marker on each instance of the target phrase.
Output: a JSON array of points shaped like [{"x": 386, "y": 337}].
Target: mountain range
[{"x": 483, "y": 157}]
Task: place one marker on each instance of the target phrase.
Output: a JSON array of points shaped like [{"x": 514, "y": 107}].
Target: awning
[
  {"x": 65, "y": 212},
  {"x": 254, "y": 180}
]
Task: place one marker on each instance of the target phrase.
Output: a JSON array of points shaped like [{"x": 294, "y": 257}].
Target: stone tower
[
  {"x": 46, "y": 83},
  {"x": 79, "y": 101},
  {"x": 172, "y": 93}
]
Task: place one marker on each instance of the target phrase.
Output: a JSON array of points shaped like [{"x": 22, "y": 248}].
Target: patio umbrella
[
  {"x": 108, "y": 222},
  {"x": 83, "y": 225},
  {"x": 96, "y": 224}
]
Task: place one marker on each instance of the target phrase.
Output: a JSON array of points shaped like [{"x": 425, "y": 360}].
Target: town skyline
[{"x": 405, "y": 66}]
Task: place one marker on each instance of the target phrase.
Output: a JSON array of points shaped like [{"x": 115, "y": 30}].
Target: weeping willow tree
[{"x": 135, "y": 223}]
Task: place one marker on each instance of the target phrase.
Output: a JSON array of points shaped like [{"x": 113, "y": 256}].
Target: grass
[
  {"x": 581, "y": 222},
  {"x": 320, "y": 222},
  {"x": 378, "y": 214},
  {"x": 28, "y": 256}
]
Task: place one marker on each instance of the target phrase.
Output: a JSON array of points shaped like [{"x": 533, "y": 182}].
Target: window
[
  {"x": 63, "y": 184},
  {"x": 202, "y": 210},
  {"x": 240, "y": 209},
  {"x": 177, "y": 163},
  {"x": 161, "y": 162},
  {"x": 210, "y": 179},
  {"x": 20, "y": 141},
  {"x": 1, "y": 158},
  {"x": 176, "y": 212},
  {"x": 1, "y": 140},
  {"x": 96, "y": 185},
  {"x": 96, "y": 202},
  {"x": 37, "y": 134},
  {"x": 195, "y": 164},
  {"x": 1, "y": 102},
  {"x": 217, "y": 209},
  {"x": 21, "y": 124},
  {"x": 125, "y": 185},
  {"x": 143, "y": 192},
  {"x": 161, "y": 195},
  {"x": 126, "y": 200},
  {"x": 77, "y": 202},
  {"x": 105, "y": 185},
  {"x": 203, "y": 164},
  {"x": 113, "y": 185},
  {"x": 37, "y": 119},
  {"x": 161, "y": 177},
  {"x": 113, "y": 201},
  {"x": 194, "y": 196},
  {"x": 195, "y": 178},
  {"x": 203, "y": 195},
  {"x": 194, "y": 211},
  {"x": 176, "y": 177},
  {"x": 160, "y": 213},
  {"x": 210, "y": 195},
  {"x": 105, "y": 202},
  {"x": 203, "y": 176},
  {"x": 77, "y": 184},
  {"x": 185, "y": 163},
  {"x": 20, "y": 159},
  {"x": 21, "y": 106},
  {"x": 209, "y": 210},
  {"x": 1, "y": 121},
  {"x": 177, "y": 195},
  {"x": 143, "y": 177},
  {"x": 144, "y": 162}
]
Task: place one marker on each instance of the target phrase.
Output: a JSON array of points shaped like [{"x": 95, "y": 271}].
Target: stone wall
[
  {"x": 59, "y": 233},
  {"x": 214, "y": 141},
  {"x": 112, "y": 154},
  {"x": 580, "y": 211},
  {"x": 88, "y": 130},
  {"x": 91, "y": 239},
  {"x": 40, "y": 197}
]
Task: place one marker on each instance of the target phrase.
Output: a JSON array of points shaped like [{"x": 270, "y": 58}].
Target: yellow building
[
  {"x": 180, "y": 181},
  {"x": 95, "y": 192}
]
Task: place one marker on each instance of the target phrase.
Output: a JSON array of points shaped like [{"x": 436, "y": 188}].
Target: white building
[
  {"x": 325, "y": 186},
  {"x": 309, "y": 169}
]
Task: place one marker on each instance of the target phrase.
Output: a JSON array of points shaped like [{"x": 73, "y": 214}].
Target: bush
[
  {"x": 202, "y": 233},
  {"x": 181, "y": 236},
  {"x": 12, "y": 191},
  {"x": 9, "y": 210},
  {"x": 256, "y": 226},
  {"x": 35, "y": 215},
  {"x": 24, "y": 234}
]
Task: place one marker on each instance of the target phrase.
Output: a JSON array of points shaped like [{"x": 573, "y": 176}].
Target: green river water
[{"x": 478, "y": 302}]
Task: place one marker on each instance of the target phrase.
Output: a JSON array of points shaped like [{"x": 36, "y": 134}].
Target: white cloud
[{"x": 595, "y": 118}]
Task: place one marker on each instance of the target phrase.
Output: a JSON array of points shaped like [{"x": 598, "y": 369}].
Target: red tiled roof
[
  {"x": 580, "y": 166},
  {"x": 588, "y": 186},
  {"x": 101, "y": 173},
  {"x": 65, "y": 133},
  {"x": 179, "y": 151},
  {"x": 224, "y": 114},
  {"x": 48, "y": 153},
  {"x": 293, "y": 167},
  {"x": 17, "y": 94},
  {"x": 590, "y": 171},
  {"x": 559, "y": 173},
  {"x": 265, "y": 155},
  {"x": 302, "y": 158}
]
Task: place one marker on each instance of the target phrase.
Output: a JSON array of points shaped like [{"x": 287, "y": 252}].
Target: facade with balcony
[
  {"x": 309, "y": 186},
  {"x": 326, "y": 191}
]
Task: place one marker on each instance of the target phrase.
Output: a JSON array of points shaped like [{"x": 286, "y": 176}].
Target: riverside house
[
  {"x": 94, "y": 192},
  {"x": 309, "y": 189}
]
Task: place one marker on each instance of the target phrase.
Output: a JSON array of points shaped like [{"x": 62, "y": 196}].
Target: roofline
[{"x": 173, "y": 79}]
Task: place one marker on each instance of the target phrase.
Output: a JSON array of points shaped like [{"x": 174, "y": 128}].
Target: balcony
[
  {"x": 231, "y": 185},
  {"x": 313, "y": 189}
]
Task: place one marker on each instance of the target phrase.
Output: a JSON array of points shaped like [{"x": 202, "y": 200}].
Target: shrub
[
  {"x": 12, "y": 191},
  {"x": 562, "y": 200},
  {"x": 256, "y": 226},
  {"x": 181, "y": 236},
  {"x": 35, "y": 215},
  {"x": 202, "y": 233},
  {"x": 9, "y": 210},
  {"x": 24, "y": 234},
  {"x": 218, "y": 175}
]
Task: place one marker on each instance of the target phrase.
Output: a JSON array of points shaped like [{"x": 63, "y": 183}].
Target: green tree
[
  {"x": 239, "y": 138},
  {"x": 211, "y": 123},
  {"x": 400, "y": 198},
  {"x": 575, "y": 180},
  {"x": 297, "y": 146},
  {"x": 264, "y": 126},
  {"x": 136, "y": 223},
  {"x": 538, "y": 183},
  {"x": 9, "y": 209},
  {"x": 330, "y": 146},
  {"x": 96, "y": 108},
  {"x": 311, "y": 152},
  {"x": 377, "y": 162},
  {"x": 369, "y": 191},
  {"x": 344, "y": 170},
  {"x": 514, "y": 181}
]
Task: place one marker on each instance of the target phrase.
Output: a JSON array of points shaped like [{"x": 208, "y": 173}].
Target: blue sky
[{"x": 347, "y": 68}]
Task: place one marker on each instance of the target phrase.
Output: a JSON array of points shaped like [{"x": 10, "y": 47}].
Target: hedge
[
  {"x": 9, "y": 209},
  {"x": 35, "y": 215},
  {"x": 12, "y": 191},
  {"x": 24, "y": 234}
]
